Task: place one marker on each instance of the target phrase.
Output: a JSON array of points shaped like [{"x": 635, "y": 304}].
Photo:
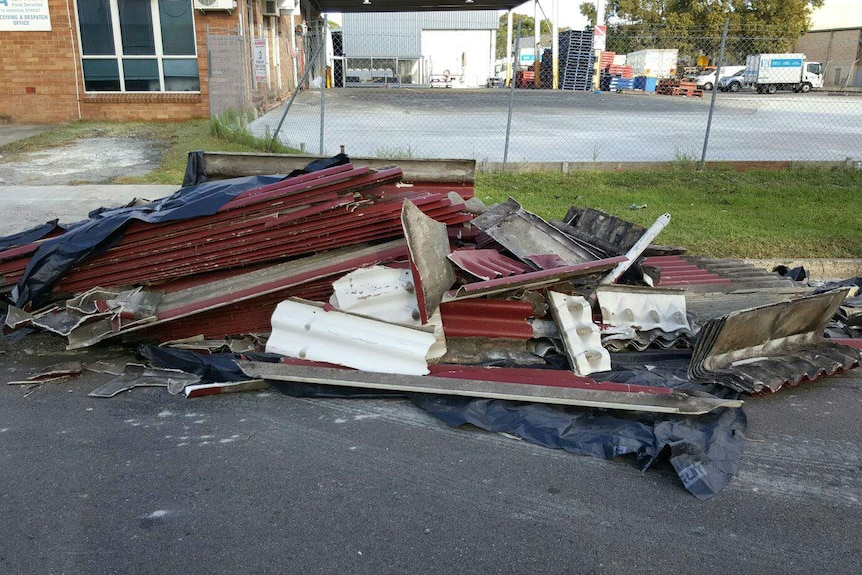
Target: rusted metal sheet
[
  {"x": 587, "y": 393},
  {"x": 764, "y": 348}
]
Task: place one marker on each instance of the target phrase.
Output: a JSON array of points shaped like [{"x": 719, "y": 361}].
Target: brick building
[
  {"x": 840, "y": 52},
  {"x": 65, "y": 60}
]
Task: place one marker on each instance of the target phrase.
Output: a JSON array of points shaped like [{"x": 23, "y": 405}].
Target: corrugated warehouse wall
[{"x": 399, "y": 35}]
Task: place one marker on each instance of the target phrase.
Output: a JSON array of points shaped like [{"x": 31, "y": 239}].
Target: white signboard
[
  {"x": 600, "y": 37},
  {"x": 24, "y": 16},
  {"x": 261, "y": 60}
]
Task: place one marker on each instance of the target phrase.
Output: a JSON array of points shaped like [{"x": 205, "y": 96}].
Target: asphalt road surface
[
  {"x": 571, "y": 126},
  {"x": 260, "y": 482}
]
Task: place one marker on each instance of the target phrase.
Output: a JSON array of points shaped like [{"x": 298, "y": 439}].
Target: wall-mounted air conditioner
[
  {"x": 270, "y": 7},
  {"x": 288, "y": 7},
  {"x": 215, "y": 4}
]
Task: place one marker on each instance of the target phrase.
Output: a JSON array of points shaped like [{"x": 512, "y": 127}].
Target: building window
[{"x": 138, "y": 46}]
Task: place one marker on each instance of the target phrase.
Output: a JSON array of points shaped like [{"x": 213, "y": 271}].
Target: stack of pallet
[
  {"x": 673, "y": 87},
  {"x": 576, "y": 59}
]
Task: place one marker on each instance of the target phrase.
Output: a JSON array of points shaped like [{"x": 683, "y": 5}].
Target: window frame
[{"x": 118, "y": 55}]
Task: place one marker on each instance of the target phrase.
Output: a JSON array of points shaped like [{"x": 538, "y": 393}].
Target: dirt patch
[{"x": 88, "y": 160}]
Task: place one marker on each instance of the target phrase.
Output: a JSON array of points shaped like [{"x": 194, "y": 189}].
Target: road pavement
[
  {"x": 554, "y": 126},
  {"x": 260, "y": 482}
]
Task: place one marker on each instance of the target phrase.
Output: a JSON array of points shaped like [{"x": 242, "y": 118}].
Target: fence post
[
  {"x": 511, "y": 99},
  {"x": 323, "y": 78},
  {"x": 293, "y": 96},
  {"x": 714, "y": 93}
]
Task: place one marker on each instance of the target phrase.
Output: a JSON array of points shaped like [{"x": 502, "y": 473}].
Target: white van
[{"x": 706, "y": 80}]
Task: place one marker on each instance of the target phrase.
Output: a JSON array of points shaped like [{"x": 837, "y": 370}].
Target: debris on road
[{"x": 341, "y": 280}]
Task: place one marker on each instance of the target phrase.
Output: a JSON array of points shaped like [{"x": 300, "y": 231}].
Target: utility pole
[{"x": 508, "y": 48}]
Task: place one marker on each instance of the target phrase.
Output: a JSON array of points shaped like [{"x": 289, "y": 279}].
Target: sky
[
  {"x": 833, "y": 14},
  {"x": 570, "y": 15}
]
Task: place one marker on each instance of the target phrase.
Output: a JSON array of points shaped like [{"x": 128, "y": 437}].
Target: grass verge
[{"x": 796, "y": 213}]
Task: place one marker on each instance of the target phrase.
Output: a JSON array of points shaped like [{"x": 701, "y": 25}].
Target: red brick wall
[{"x": 39, "y": 72}]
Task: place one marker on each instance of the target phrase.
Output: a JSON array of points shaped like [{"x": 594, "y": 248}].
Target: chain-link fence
[
  {"x": 247, "y": 73},
  {"x": 648, "y": 97}
]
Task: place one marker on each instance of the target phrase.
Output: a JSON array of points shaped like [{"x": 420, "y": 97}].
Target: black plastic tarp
[
  {"x": 704, "y": 450},
  {"x": 57, "y": 255}
]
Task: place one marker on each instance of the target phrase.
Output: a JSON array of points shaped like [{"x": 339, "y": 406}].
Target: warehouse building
[{"x": 453, "y": 49}]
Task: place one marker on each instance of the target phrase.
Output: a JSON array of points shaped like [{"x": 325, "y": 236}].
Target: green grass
[
  {"x": 795, "y": 213},
  {"x": 800, "y": 212}
]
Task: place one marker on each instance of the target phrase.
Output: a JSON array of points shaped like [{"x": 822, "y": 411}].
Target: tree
[
  {"x": 693, "y": 26},
  {"x": 528, "y": 28},
  {"x": 588, "y": 9}
]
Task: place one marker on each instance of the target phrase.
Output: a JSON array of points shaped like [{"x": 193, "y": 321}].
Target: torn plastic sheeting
[
  {"x": 706, "y": 447},
  {"x": 29, "y": 236},
  {"x": 704, "y": 450}
]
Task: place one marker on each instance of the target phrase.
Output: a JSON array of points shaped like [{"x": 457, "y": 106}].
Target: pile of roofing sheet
[
  {"x": 354, "y": 282},
  {"x": 764, "y": 348}
]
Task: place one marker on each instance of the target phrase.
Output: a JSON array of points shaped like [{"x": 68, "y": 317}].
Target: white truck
[{"x": 768, "y": 73}]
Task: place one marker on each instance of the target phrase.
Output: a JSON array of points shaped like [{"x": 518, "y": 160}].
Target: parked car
[
  {"x": 706, "y": 80},
  {"x": 733, "y": 83}
]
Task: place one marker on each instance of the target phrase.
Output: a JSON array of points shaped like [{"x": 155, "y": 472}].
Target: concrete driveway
[{"x": 10, "y": 133}]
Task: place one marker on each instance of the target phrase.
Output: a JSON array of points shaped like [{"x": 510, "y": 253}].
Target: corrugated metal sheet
[
  {"x": 764, "y": 348},
  {"x": 399, "y": 35}
]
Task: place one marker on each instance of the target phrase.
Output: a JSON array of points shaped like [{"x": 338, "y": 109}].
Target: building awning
[{"x": 411, "y": 5}]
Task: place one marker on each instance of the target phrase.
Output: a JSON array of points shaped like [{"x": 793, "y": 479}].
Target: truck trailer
[{"x": 768, "y": 73}]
